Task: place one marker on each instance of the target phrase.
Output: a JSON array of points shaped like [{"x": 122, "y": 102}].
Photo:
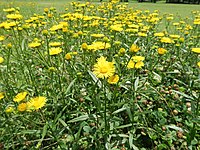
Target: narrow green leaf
[
  {"x": 174, "y": 127},
  {"x": 62, "y": 122},
  {"x": 120, "y": 135},
  {"x": 129, "y": 113},
  {"x": 96, "y": 80},
  {"x": 157, "y": 77},
  {"x": 124, "y": 126},
  {"x": 119, "y": 110},
  {"x": 44, "y": 132},
  {"x": 80, "y": 118},
  {"x": 70, "y": 86},
  {"x": 183, "y": 94},
  {"x": 30, "y": 132},
  {"x": 132, "y": 146},
  {"x": 136, "y": 83}
]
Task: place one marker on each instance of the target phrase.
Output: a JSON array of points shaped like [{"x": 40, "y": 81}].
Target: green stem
[{"x": 105, "y": 110}]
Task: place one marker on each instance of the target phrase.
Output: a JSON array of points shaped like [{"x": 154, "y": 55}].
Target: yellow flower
[
  {"x": 166, "y": 40},
  {"x": 136, "y": 62},
  {"x": 159, "y": 34},
  {"x": 2, "y": 38},
  {"x": 139, "y": 64},
  {"x": 103, "y": 68},
  {"x": 46, "y": 10},
  {"x": 9, "y": 45},
  {"x": 55, "y": 50},
  {"x": 170, "y": 18},
  {"x": 131, "y": 65},
  {"x": 84, "y": 46},
  {"x": 36, "y": 103},
  {"x": 22, "y": 107},
  {"x": 117, "y": 27},
  {"x": 14, "y": 16},
  {"x": 198, "y": 64},
  {"x": 142, "y": 34},
  {"x": 113, "y": 79},
  {"x": 20, "y": 96},
  {"x": 99, "y": 46},
  {"x": 56, "y": 27},
  {"x": 174, "y": 36},
  {"x": 134, "y": 48},
  {"x": 196, "y": 21},
  {"x": 9, "y": 10},
  {"x": 68, "y": 56},
  {"x": 122, "y": 51},
  {"x": 34, "y": 44},
  {"x": 54, "y": 44},
  {"x": 1, "y": 95},
  {"x": 1, "y": 60},
  {"x": 97, "y": 35},
  {"x": 52, "y": 69},
  {"x": 117, "y": 43},
  {"x": 9, "y": 109},
  {"x": 137, "y": 58},
  {"x": 161, "y": 51},
  {"x": 45, "y": 32},
  {"x": 7, "y": 25},
  {"x": 196, "y": 50}
]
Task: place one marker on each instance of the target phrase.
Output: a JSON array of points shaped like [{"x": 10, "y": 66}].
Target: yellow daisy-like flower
[
  {"x": 196, "y": 50},
  {"x": 174, "y": 36},
  {"x": 9, "y": 10},
  {"x": 9, "y": 109},
  {"x": 117, "y": 27},
  {"x": 122, "y": 51},
  {"x": 166, "y": 40},
  {"x": 131, "y": 65},
  {"x": 84, "y": 46},
  {"x": 103, "y": 68},
  {"x": 36, "y": 103},
  {"x": 1, "y": 95},
  {"x": 97, "y": 35},
  {"x": 137, "y": 58},
  {"x": 55, "y": 44},
  {"x": 22, "y": 107},
  {"x": 1, "y": 59},
  {"x": 113, "y": 79},
  {"x": 134, "y": 48},
  {"x": 14, "y": 16},
  {"x": 55, "y": 50},
  {"x": 46, "y": 10},
  {"x": 34, "y": 44},
  {"x": 52, "y": 69},
  {"x": 159, "y": 34},
  {"x": 56, "y": 27},
  {"x": 99, "y": 46},
  {"x": 198, "y": 64},
  {"x": 142, "y": 34},
  {"x": 136, "y": 62},
  {"x": 161, "y": 51},
  {"x": 139, "y": 64},
  {"x": 9, "y": 45},
  {"x": 68, "y": 56},
  {"x": 196, "y": 21},
  {"x": 20, "y": 96},
  {"x": 136, "y": 65},
  {"x": 2, "y": 38}
]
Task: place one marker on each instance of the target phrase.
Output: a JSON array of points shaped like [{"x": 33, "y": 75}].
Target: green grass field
[{"x": 184, "y": 10}]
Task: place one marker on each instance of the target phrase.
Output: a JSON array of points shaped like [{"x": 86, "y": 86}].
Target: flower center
[{"x": 104, "y": 70}]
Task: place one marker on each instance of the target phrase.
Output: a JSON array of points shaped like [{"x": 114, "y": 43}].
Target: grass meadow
[{"x": 84, "y": 75}]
